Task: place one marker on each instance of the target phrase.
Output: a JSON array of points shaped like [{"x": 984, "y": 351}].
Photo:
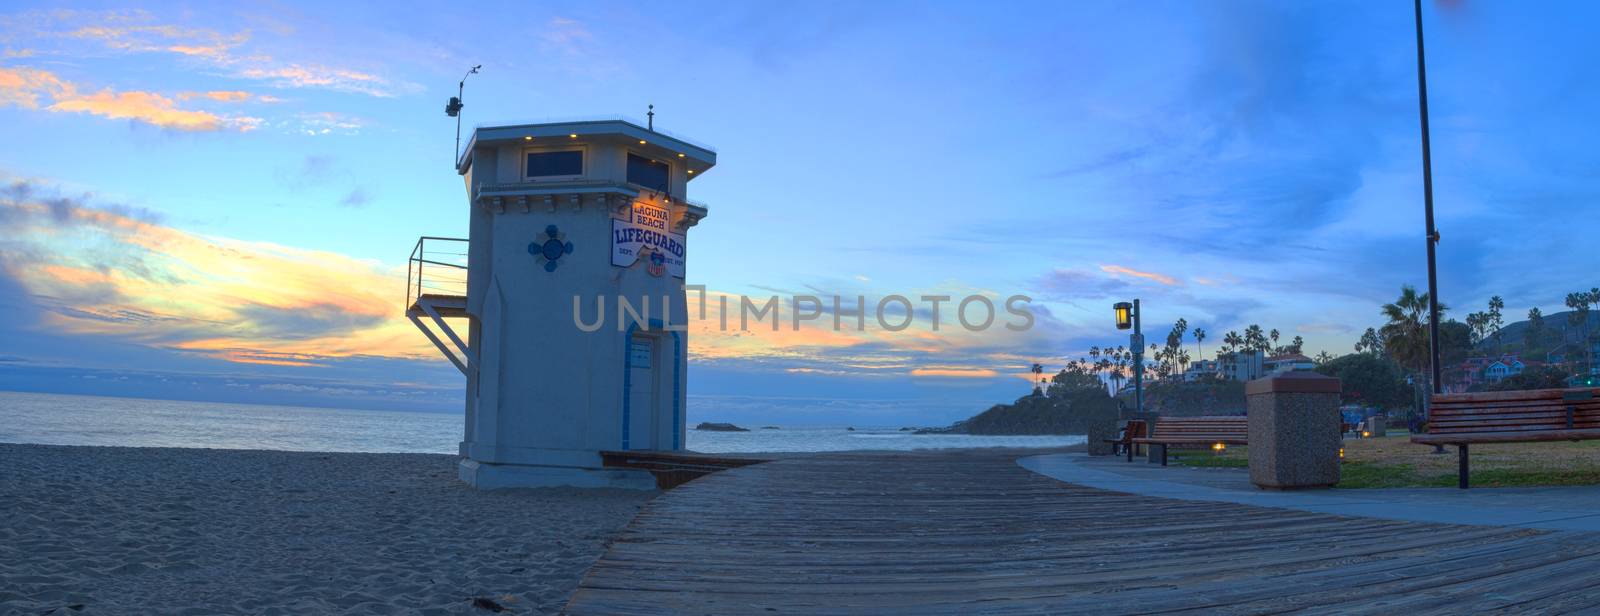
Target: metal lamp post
[
  {"x": 1427, "y": 200},
  {"x": 1128, "y": 317}
]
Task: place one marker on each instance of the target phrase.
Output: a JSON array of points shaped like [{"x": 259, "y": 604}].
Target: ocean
[{"x": 54, "y": 419}]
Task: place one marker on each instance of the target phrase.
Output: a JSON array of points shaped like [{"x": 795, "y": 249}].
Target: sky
[{"x": 213, "y": 202}]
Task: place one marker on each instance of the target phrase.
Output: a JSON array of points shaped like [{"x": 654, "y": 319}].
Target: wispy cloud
[
  {"x": 965, "y": 373},
  {"x": 38, "y": 89},
  {"x": 327, "y": 122},
  {"x": 221, "y": 96},
  {"x": 238, "y": 54},
  {"x": 356, "y": 198},
  {"x": 1128, "y": 271}
]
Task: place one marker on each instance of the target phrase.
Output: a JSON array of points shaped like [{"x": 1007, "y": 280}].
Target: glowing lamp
[
  {"x": 1218, "y": 447},
  {"x": 641, "y": 142},
  {"x": 680, "y": 154},
  {"x": 573, "y": 135},
  {"x": 1124, "y": 314},
  {"x": 1366, "y": 434},
  {"x": 1341, "y": 453},
  {"x": 528, "y": 138}
]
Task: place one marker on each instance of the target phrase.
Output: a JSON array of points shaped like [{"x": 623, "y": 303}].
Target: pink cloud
[{"x": 1128, "y": 271}]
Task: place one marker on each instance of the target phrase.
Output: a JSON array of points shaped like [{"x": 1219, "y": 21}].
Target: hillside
[
  {"x": 1555, "y": 329},
  {"x": 1034, "y": 415}
]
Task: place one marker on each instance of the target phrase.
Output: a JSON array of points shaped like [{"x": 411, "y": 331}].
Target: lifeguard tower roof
[{"x": 696, "y": 157}]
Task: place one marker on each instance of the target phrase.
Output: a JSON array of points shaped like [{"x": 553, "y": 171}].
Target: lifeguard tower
[{"x": 567, "y": 220}]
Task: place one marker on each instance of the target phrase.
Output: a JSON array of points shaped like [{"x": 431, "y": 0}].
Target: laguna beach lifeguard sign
[
  {"x": 646, "y": 234},
  {"x": 565, "y": 215}
]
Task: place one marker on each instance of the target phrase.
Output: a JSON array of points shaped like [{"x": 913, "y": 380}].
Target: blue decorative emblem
[
  {"x": 658, "y": 264},
  {"x": 551, "y": 246}
]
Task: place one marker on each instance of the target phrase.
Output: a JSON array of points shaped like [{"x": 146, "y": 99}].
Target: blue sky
[{"x": 1227, "y": 162}]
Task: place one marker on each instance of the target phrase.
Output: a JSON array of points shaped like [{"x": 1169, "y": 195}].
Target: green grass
[
  {"x": 1233, "y": 457},
  {"x": 1395, "y": 463},
  {"x": 1376, "y": 475}
]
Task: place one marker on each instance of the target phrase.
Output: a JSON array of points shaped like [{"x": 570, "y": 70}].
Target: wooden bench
[
  {"x": 1196, "y": 431},
  {"x": 1511, "y": 417},
  {"x": 674, "y": 468},
  {"x": 1131, "y": 429}
]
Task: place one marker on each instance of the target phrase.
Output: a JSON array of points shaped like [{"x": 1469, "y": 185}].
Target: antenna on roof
[
  {"x": 453, "y": 107},
  {"x": 650, "y": 123}
]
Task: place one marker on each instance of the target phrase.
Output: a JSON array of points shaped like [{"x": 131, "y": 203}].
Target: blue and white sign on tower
[{"x": 647, "y": 231}]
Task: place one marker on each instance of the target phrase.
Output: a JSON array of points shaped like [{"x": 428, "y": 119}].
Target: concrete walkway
[{"x": 1549, "y": 508}]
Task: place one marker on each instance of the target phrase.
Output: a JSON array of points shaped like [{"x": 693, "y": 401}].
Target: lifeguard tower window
[
  {"x": 562, "y": 163},
  {"x": 647, "y": 173}
]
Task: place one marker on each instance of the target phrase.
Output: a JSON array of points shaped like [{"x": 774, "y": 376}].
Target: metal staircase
[{"x": 436, "y": 288}]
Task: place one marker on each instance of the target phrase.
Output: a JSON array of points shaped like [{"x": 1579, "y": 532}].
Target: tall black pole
[
  {"x": 461, "y": 91},
  {"x": 1427, "y": 199},
  {"x": 1138, "y": 362}
]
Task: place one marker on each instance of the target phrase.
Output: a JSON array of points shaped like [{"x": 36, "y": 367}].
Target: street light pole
[
  {"x": 1138, "y": 362},
  {"x": 1427, "y": 199},
  {"x": 1128, "y": 317}
]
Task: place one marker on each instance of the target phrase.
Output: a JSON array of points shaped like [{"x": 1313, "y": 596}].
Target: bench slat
[
  {"x": 1548, "y": 428},
  {"x": 1176, "y": 440},
  {"x": 1230, "y": 430},
  {"x": 1530, "y": 417},
  {"x": 1507, "y": 437},
  {"x": 1532, "y": 404},
  {"x": 1503, "y": 396}
]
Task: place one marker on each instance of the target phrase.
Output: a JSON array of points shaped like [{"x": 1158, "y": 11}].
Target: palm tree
[
  {"x": 1530, "y": 338},
  {"x": 1255, "y": 339},
  {"x": 1405, "y": 336},
  {"x": 1199, "y": 337},
  {"x": 1119, "y": 361},
  {"x": 1274, "y": 336},
  {"x": 1579, "y": 303},
  {"x": 1495, "y": 322},
  {"x": 1038, "y": 372}
]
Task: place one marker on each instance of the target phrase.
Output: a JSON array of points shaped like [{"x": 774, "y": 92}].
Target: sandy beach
[{"x": 115, "y": 530}]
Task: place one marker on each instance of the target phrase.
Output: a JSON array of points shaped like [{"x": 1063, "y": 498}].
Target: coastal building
[
  {"x": 1473, "y": 372},
  {"x": 1291, "y": 362},
  {"x": 1241, "y": 366},
  {"x": 1467, "y": 375},
  {"x": 1199, "y": 368},
  {"x": 1499, "y": 369},
  {"x": 570, "y": 297}
]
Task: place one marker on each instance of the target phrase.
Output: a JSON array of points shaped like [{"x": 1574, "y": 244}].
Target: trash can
[{"x": 1294, "y": 431}]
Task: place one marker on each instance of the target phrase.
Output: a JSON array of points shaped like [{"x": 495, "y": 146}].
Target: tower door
[{"x": 644, "y": 386}]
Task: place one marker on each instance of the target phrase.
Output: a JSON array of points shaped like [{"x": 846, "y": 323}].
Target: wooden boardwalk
[{"x": 973, "y": 533}]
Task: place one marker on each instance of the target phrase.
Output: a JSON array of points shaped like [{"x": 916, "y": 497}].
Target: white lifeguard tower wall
[{"x": 558, "y": 211}]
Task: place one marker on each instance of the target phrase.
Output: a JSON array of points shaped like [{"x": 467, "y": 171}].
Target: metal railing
[{"x": 438, "y": 266}]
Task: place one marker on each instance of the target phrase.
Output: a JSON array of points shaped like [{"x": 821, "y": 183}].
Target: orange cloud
[
  {"x": 968, "y": 373},
  {"x": 135, "y": 33},
  {"x": 22, "y": 87},
  {"x": 152, "y": 109},
  {"x": 26, "y": 87},
  {"x": 221, "y": 96},
  {"x": 249, "y": 302},
  {"x": 1128, "y": 271}
]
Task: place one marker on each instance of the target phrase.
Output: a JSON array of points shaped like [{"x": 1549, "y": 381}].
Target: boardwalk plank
[{"x": 972, "y": 532}]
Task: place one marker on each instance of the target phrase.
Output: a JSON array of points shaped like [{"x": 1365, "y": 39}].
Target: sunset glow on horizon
[{"x": 228, "y": 196}]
